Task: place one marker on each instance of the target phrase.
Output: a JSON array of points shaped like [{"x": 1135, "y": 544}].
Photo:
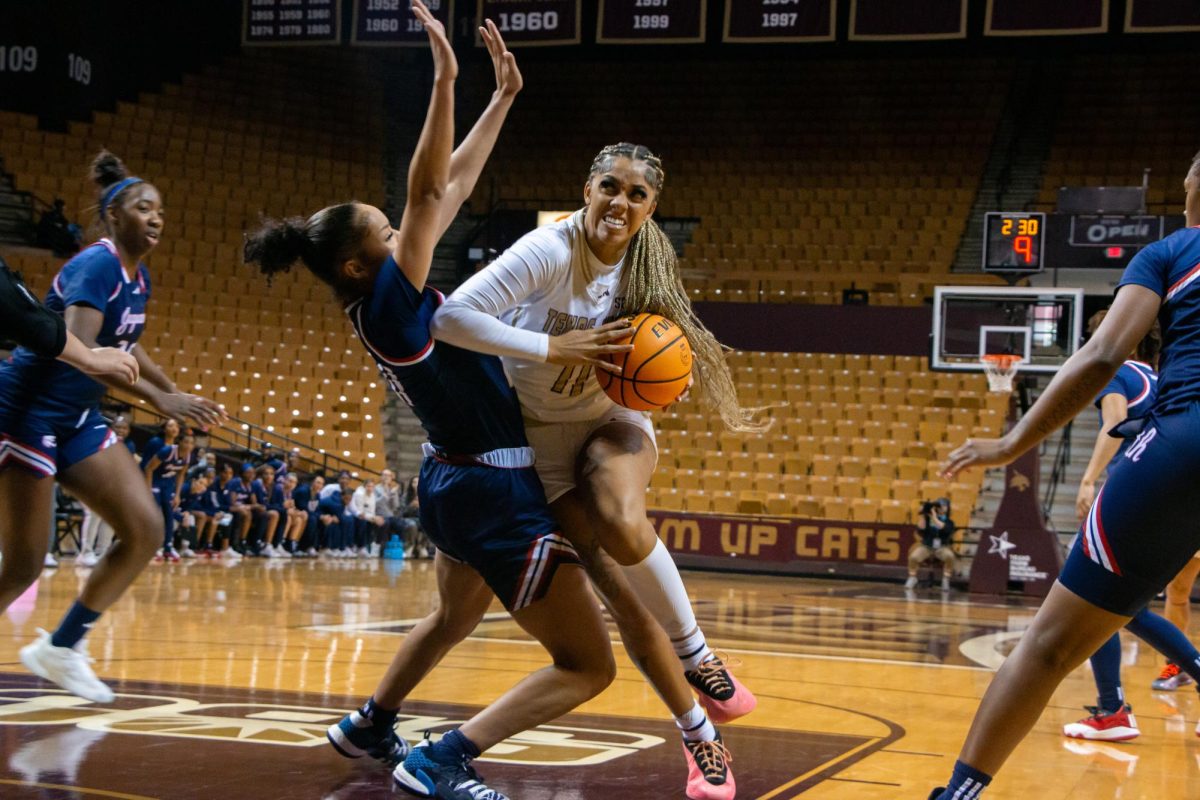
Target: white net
[{"x": 1000, "y": 371}]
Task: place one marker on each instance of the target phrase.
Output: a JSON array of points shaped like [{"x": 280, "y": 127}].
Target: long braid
[{"x": 654, "y": 284}]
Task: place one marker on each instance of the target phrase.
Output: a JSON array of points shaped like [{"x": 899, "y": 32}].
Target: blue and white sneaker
[
  {"x": 420, "y": 775},
  {"x": 355, "y": 737}
]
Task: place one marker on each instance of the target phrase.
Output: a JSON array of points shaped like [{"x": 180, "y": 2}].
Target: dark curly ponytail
[{"x": 322, "y": 242}]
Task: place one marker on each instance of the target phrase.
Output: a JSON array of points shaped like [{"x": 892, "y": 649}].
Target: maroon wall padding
[{"x": 894, "y": 330}]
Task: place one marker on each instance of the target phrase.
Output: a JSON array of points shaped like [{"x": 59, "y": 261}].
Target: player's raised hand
[
  {"x": 977, "y": 453},
  {"x": 588, "y": 346},
  {"x": 445, "y": 65},
  {"x": 508, "y": 77}
]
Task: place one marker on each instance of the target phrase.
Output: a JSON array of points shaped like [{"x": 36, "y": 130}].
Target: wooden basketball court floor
[{"x": 228, "y": 676}]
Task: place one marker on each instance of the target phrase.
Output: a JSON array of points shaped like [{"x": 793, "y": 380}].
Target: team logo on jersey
[
  {"x": 130, "y": 322},
  {"x": 49, "y": 442}
]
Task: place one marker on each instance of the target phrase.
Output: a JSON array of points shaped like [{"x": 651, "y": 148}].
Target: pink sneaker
[
  {"x": 722, "y": 695},
  {"x": 709, "y": 775}
]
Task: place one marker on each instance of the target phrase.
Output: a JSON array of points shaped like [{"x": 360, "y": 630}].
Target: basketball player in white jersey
[{"x": 595, "y": 458}]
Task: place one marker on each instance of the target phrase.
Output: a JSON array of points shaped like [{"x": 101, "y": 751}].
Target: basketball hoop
[{"x": 1000, "y": 369}]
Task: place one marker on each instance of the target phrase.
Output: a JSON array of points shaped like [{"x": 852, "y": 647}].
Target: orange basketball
[{"x": 656, "y": 371}]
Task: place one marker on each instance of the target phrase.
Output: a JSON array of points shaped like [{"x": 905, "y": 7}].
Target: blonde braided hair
[{"x": 654, "y": 284}]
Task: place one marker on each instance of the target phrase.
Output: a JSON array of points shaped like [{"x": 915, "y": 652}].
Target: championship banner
[
  {"x": 779, "y": 21},
  {"x": 895, "y": 20},
  {"x": 1162, "y": 16},
  {"x": 292, "y": 22},
  {"x": 1039, "y": 18},
  {"x": 531, "y": 22},
  {"x": 651, "y": 21},
  {"x": 391, "y": 22},
  {"x": 785, "y": 545}
]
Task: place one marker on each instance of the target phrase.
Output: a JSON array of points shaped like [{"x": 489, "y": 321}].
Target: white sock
[
  {"x": 657, "y": 584},
  {"x": 694, "y": 725}
]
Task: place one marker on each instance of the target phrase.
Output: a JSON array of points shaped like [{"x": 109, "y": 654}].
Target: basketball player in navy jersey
[
  {"x": 1126, "y": 400},
  {"x": 1145, "y": 523},
  {"x": 164, "y": 465},
  {"x": 31, "y": 325},
  {"x": 482, "y": 502},
  {"x": 50, "y": 427}
]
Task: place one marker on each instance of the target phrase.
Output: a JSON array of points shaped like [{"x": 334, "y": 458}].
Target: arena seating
[
  {"x": 854, "y": 437},
  {"x": 1120, "y": 116},
  {"x": 271, "y": 132},
  {"x": 794, "y": 204}
]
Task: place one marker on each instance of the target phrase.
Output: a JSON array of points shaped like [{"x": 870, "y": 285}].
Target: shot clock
[{"x": 1012, "y": 242}]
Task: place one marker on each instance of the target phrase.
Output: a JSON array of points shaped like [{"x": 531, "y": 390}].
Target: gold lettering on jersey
[
  {"x": 559, "y": 322},
  {"x": 298, "y": 726}
]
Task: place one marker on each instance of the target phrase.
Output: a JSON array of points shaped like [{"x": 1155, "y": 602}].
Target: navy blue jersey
[
  {"x": 169, "y": 461},
  {"x": 94, "y": 278},
  {"x": 1137, "y": 382},
  {"x": 239, "y": 492},
  {"x": 1171, "y": 268},
  {"x": 303, "y": 498},
  {"x": 462, "y": 398}
]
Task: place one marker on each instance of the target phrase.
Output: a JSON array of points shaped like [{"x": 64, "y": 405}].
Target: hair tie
[{"x": 114, "y": 190}]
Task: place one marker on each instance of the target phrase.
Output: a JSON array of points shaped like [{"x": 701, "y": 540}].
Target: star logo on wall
[{"x": 1001, "y": 545}]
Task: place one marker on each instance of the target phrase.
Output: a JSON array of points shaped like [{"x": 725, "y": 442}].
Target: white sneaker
[
  {"x": 373, "y": 550},
  {"x": 911, "y": 582},
  {"x": 50, "y": 561},
  {"x": 187, "y": 552},
  {"x": 364, "y": 552},
  {"x": 229, "y": 554},
  {"x": 69, "y": 667},
  {"x": 311, "y": 552},
  {"x": 88, "y": 559}
]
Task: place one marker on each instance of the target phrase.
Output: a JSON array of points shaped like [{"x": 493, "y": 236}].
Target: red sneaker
[
  {"x": 709, "y": 775},
  {"x": 1117, "y": 726},
  {"x": 722, "y": 695}
]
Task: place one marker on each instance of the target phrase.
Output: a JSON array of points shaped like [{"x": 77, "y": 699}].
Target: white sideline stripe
[{"x": 498, "y": 615}]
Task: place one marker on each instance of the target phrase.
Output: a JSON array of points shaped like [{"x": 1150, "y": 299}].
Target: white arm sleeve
[{"x": 468, "y": 319}]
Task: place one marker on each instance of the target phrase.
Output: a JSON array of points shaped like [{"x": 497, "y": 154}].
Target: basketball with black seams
[{"x": 656, "y": 372}]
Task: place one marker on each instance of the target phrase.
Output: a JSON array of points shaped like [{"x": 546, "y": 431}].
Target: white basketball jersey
[{"x": 573, "y": 291}]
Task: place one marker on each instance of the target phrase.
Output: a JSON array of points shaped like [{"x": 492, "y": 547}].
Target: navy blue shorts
[
  {"x": 1144, "y": 526},
  {"x": 495, "y": 520},
  {"x": 47, "y": 442}
]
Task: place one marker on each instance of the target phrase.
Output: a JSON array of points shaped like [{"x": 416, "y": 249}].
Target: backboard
[{"x": 1044, "y": 326}]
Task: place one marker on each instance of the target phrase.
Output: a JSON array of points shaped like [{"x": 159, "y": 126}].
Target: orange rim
[{"x": 1002, "y": 361}]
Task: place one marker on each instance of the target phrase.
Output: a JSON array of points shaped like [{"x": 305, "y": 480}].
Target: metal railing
[{"x": 247, "y": 437}]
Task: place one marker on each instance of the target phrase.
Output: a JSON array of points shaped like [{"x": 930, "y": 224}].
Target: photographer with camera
[{"x": 934, "y": 537}]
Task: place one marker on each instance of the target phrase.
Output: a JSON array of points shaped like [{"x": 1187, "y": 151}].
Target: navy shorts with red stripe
[
  {"x": 1144, "y": 526},
  {"x": 495, "y": 520},
  {"x": 48, "y": 442}
]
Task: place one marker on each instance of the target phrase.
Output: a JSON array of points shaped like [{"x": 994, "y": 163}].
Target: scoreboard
[
  {"x": 391, "y": 22},
  {"x": 1013, "y": 242},
  {"x": 779, "y": 20},
  {"x": 532, "y": 22},
  {"x": 651, "y": 21},
  {"x": 284, "y": 22}
]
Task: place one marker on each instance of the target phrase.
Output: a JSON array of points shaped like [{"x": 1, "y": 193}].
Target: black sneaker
[{"x": 420, "y": 775}]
